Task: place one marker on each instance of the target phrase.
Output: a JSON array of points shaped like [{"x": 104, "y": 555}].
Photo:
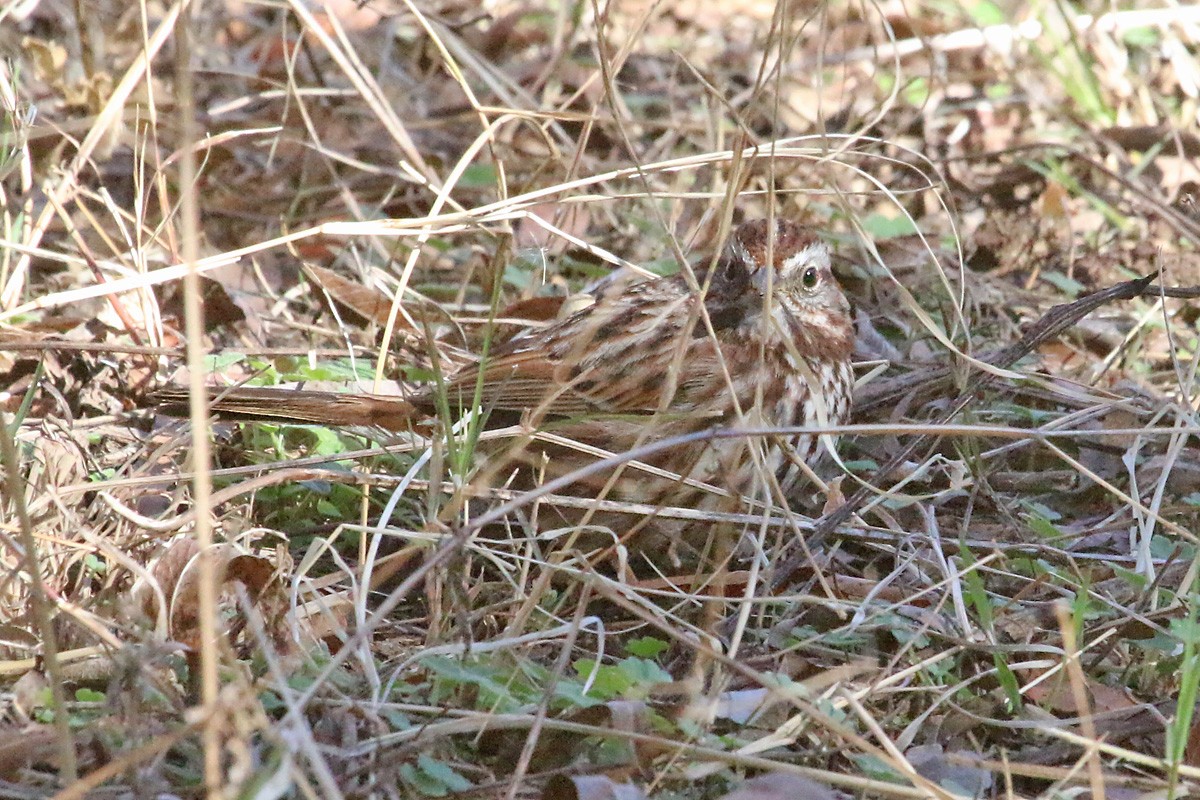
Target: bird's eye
[{"x": 809, "y": 278}]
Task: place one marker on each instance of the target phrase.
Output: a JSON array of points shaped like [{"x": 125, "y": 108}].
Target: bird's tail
[{"x": 296, "y": 407}]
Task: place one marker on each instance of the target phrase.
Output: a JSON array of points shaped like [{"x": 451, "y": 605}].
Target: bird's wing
[
  {"x": 517, "y": 382},
  {"x": 610, "y": 358}
]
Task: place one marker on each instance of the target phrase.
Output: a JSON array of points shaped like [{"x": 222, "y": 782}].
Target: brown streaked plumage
[{"x": 765, "y": 343}]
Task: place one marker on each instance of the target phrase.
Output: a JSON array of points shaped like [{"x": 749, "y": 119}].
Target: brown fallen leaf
[
  {"x": 368, "y": 303},
  {"x": 1055, "y": 695},
  {"x": 572, "y": 219},
  {"x": 22, "y": 748},
  {"x": 1191, "y": 754},
  {"x": 174, "y": 581}
]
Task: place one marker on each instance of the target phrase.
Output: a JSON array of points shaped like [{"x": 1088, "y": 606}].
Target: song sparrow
[{"x": 764, "y": 342}]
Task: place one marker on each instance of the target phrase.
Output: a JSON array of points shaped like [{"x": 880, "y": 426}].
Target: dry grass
[{"x": 1010, "y": 613}]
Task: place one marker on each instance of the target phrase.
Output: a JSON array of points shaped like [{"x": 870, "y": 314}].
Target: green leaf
[
  {"x": 218, "y": 362},
  {"x": 1188, "y": 630},
  {"x": 328, "y": 441},
  {"x": 1043, "y": 527},
  {"x": 874, "y": 767},
  {"x": 1134, "y": 579},
  {"x": 1008, "y": 682},
  {"x": 646, "y": 647},
  {"x": 85, "y": 695},
  {"x": 662, "y": 266},
  {"x": 519, "y": 278},
  {"x": 1068, "y": 286},
  {"x": 643, "y": 671},
  {"x": 398, "y": 720},
  {"x": 1042, "y": 510},
  {"x": 1162, "y": 645},
  {"x": 422, "y": 782},
  {"x": 1171, "y": 547},
  {"x": 496, "y": 687},
  {"x": 631, "y": 678},
  {"x": 478, "y": 176},
  {"x": 341, "y": 370},
  {"x": 608, "y": 682},
  {"x": 443, "y": 773},
  {"x": 571, "y": 694},
  {"x": 881, "y": 226},
  {"x": 418, "y": 374},
  {"x": 916, "y": 92},
  {"x": 986, "y": 13},
  {"x": 1145, "y": 37}
]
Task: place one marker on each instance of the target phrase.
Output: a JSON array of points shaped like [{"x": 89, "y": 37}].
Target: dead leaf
[
  {"x": 325, "y": 619},
  {"x": 559, "y": 749},
  {"x": 1055, "y": 695},
  {"x": 533, "y": 309},
  {"x": 174, "y": 581},
  {"x": 29, "y": 692},
  {"x": 572, "y": 219},
  {"x": 834, "y": 499},
  {"x": 152, "y": 595},
  {"x": 22, "y": 748},
  {"x": 934, "y": 763},
  {"x": 368, "y": 303},
  {"x": 1054, "y": 200},
  {"x": 223, "y": 304},
  {"x": 231, "y": 567},
  {"x": 48, "y": 58},
  {"x": 742, "y": 705},
  {"x": 781, "y": 786},
  {"x": 1191, "y": 754},
  {"x": 589, "y": 787}
]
